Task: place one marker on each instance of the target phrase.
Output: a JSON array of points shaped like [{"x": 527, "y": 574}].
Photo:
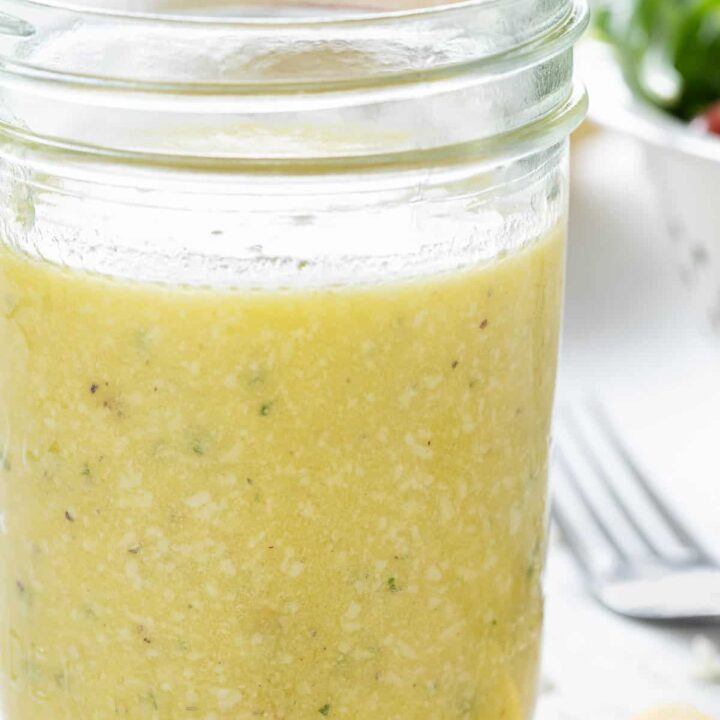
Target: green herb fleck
[
  {"x": 535, "y": 563},
  {"x": 86, "y": 470},
  {"x": 467, "y": 706},
  {"x": 198, "y": 448},
  {"x": 22, "y": 202},
  {"x": 24, "y": 592},
  {"x": 142, "y": 339},
  {"x": 11, "y": 304},
  {"x": 392, "y": 585},
  {"x": 531, "y": 569},
  {"x": 114, "y": 406},
  {"x": 150, "y": 700},
  {"x": 325, "y": 709},
  {"x": 257, "y": 377},
  {"x": 34, "y": 672},
  {"x": 302, "y": 264},
  {"x": 265, "y": 409}
]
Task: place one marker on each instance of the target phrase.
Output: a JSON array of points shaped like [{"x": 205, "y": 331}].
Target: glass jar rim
[
  {"x": 555, "y": 29},
  {"x": 437, "y": 59},
  {"x": 284, "y": 21}
]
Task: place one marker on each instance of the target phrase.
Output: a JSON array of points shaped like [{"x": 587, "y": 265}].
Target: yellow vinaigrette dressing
[{"x": 279, "y": 505}]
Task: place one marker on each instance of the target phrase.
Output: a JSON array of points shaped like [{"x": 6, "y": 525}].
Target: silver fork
[{"x": 640, "y": 560}]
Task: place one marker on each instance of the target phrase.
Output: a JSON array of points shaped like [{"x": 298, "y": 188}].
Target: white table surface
[{"x": 634, "y": 338}]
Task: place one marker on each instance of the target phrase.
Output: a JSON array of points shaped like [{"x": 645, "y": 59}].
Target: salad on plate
[{"x": 669, "y": 54}]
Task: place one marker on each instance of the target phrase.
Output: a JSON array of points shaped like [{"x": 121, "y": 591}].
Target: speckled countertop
[{"x": 635, "y": 338}]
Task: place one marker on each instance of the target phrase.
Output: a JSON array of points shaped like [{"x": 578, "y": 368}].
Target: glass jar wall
[{"x": 280, "y": 294}]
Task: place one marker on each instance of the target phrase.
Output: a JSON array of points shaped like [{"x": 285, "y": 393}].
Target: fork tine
[
  {"x": 574, "y": 539},
  {"x": 654, "y": 500},
  {"x": 621, "y": 506},
  {"x": 593, "y": 555},
  {"x": 573, "y": 480}
]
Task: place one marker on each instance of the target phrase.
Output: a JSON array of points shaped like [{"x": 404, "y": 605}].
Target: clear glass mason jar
[{"x": 280, "y": 291}]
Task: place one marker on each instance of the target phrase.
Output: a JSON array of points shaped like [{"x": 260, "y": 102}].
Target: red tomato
[{"x": 711, "y": 118}]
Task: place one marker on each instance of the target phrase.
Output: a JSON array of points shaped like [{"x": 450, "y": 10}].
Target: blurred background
[{"x": 642, "y": 335}]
